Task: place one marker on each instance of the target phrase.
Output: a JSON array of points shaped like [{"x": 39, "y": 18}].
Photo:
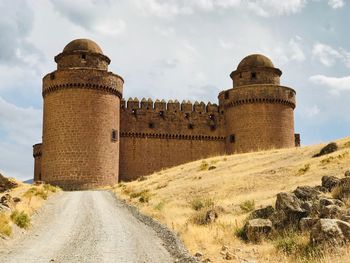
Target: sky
[{"x": 175, "y": 49}]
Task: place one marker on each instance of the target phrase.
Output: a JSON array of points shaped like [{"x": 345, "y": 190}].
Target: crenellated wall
[{"x": 157, "y": 135}]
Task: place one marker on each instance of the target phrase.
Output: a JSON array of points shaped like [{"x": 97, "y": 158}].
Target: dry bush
[
  {"x": 51, "y": 188},
  {"x": 247, "y": 206},
  {"x": 199, "y": 203},
  {"x": 21, "y": 219},
  {"x": 203, "y": 166},
  {"x": 304, "y": 169},
  {"x": 143, "y": 196},
  {"x": 5, "y": 228},
  {"x": 159, "y": 206},
  {"x": 161, "y": 185},
  {"x": 342, "y": 191}
]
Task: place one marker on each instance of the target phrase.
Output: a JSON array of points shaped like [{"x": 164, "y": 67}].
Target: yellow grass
[
  {"x": 236, "y": 180},
  {"x": 32, "y": 198}
]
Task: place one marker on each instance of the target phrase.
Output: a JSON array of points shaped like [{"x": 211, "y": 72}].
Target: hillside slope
[{"x": 236, "y": 183}]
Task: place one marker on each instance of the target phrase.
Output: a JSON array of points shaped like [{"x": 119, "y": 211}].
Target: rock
[
  {"x": 306, "y": 223},
  {"x": 207, "y": 260},
  {"x": 347, "y": 173},
  {"x": 331, "y": 201},
  {"x": 321, "y": 188},
  {"x": 331, "y": 211},
  {"x": 329, "y": 182},
  {"x": 16, "y": 199},
  {"x": 264, "y": 212},
  {"x": 6, "y": 200},
  {"x": 198, "y": 254},
  {"x": 345, "y": 218},
  {"x": 229, "y": 256},
  {"x": 306, "y": 193},
  {"x": 6, "y": 184},
  {"x": 211, "y": 216},
  {"x": 343, "y": 189},
  {"x": 290, "y": 205},
  {"x": 256, "y": 229},
  {"x": 279, "y": 220},
  {"x": 330, "y": 231},
  {"x": 329, "y": 148}
]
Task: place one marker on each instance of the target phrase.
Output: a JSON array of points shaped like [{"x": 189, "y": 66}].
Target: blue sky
[{"x": 175, "y": 49}]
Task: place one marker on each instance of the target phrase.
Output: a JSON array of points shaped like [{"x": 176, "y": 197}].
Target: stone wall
[
  {"x": 37, "y": 153},
  {"x": 159, "y": 135}
]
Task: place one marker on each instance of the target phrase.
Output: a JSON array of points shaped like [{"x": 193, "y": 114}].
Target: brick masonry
[{"x": 93, "y": 138}]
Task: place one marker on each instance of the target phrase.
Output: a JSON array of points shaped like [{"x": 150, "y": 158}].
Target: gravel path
[{"x": 89, "y": 226}]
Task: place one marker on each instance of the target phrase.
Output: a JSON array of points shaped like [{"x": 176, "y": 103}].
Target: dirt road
[{"x": 89, "y": 226}]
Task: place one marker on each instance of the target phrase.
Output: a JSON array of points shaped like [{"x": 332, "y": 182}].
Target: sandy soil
[{"x": 89, "y": 226}]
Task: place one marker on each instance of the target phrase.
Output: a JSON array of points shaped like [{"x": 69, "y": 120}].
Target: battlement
[{"x": 170, "y": 106}]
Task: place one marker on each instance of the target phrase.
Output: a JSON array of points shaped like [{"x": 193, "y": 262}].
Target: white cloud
[
  {"x": 336, "y": 3},
  {"x": 325, "y": 54},
  {"x": 336, "y": 85},
  {"x": 312, "y": 111},
  {"x": 263, "y": 8},
  {"x": 97, "y": 16}
]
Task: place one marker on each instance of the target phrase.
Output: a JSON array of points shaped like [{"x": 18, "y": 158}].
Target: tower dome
[
  {"x": 255, "y": 69},
  {"x": 256, "y": 60},
  {"x": 82, "y": 44}
]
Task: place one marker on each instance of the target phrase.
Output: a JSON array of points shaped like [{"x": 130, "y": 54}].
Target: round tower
[
  {"x": 81, "y": 119},
  {"x": 259, "y": 113}
]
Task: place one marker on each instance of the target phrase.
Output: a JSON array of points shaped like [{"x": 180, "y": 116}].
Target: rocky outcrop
[
  {"x": 329, "y": 148},
  {"x": 6, "y": 184},
  {"x": 263, "y": 213},
  {"x": 329, "y": 182},
  {"x": 306, "y": 193}
]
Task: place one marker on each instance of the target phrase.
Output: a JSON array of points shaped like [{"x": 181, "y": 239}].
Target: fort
[{"x": 93, "y": 137}]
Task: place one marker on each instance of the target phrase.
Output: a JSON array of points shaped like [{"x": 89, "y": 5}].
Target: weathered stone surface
[
  {"x": 329, "y": 148},
  {"x": 306, "y": 223},
  {"x": 306, "y": 193},
  {"x": 330, "y": 211},
  {"x": 264, "y": 212},
  {"x": 257, "y": 229},
  {"x": 329, "y": 182},
  {"x": 290, "y": 205},
  {"x": 331, "y": 201},
  {"x": 330, "y": 231}
]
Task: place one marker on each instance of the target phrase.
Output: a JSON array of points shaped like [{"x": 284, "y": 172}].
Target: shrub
[
  {"x": 159, "y": 206},
  {"x": 143, "y": 196},
  {"x": 41, "y": 193},
  {"x": 342, "y": 190},
  {"x": 204, "y": 166},
  {"x": 5, "y": 228},
  {"x": 204, "y": 216},
  {"x": 304, "y": 169},
  {"x": 247, "y": 206},
  {"x": 51, "y": 188},
  {"x": 142, "y": 178},
  {"x": 240, "y": 233},
  {"x": 160, "y": 186},
  {"x": 212, "y": 167},
  {"x": 21, "y": 219},
  {"x": 197, "y": 203}
]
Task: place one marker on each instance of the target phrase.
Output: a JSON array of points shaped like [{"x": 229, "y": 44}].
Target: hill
[{"x": 237, "y": 184}]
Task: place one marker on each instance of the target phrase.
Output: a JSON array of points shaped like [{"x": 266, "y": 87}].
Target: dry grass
[
  {"x": 32, "y": 198},
  {"x": 236, "y": 180}
]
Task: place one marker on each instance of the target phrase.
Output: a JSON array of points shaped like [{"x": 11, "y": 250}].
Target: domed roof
[
  {"x": 82, "y": 45},
  {"x": 255, "y": 60}
]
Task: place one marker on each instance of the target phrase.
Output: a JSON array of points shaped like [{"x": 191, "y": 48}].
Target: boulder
[
  {"x": 306, "y": 193},
  {"x": 329, "y": 148},
  {"x": 321, "y": 188},
  {"x": 264, "y": 212},
  {"x": 306, "y": 223},
  {"x": 329, "y": 182},
  {"x": 6, "y": 200},
  {"x": 331, "y": 211},
  {"x": 330, "y": 231},
  {"x": 330, "y": 201},
  {"x": 291, "y": 206},
  {"x": 211, "y": 216},
  {"x": 257, "y": 229},
  {"x": 347, "y": 173},
  {"x": 280, "y": 220}
]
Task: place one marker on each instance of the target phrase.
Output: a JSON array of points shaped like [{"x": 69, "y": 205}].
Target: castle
[{"x": 92, "y": 137}]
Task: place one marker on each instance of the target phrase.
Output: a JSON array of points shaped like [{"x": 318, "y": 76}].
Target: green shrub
[
  {"x": 41, "y": 193},
  {"x": 21, "y": 219},
  {"x": 240, "y": 233},
  {"x": 203, "y": 166},
  {"x": 143, "y": 196},
  {"x": 51, "y": 188},
  {"x": 5, "y": 228},
  {"x": 159, "y": 206},
  {"x": 197, "y": 203},
  {"x": 247, "y": 206}
]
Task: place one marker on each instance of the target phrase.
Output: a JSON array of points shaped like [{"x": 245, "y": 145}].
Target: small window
[
  {"x": 232, "y": 138},
  {"x": 190, "y": 126},
  {"x": 240, "y": 75},
  {"x": 187, "y": 115},
  {"x": 83, "y": 56},
  {"x": 114, "y": 135},
  {"x": 253, "y": 75},
  {"x": 161, "y": 113},
  {"x": 212, "y": 116},
  {"x": 151, "y": 125},
  {"x": 133, "y": 111}
]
